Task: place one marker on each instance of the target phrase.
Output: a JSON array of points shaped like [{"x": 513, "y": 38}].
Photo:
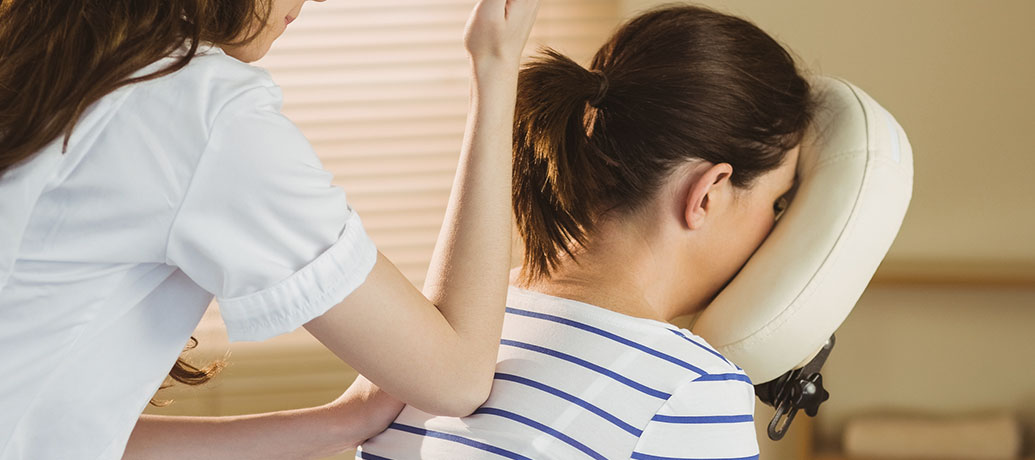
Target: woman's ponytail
[{"x": 558, "y": 171}]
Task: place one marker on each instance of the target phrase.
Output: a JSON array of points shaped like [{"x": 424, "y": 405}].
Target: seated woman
[{"x": 640, "y": 189}]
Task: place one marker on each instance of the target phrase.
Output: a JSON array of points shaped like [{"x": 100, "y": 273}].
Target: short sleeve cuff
[{"x": 306, "y": 294}]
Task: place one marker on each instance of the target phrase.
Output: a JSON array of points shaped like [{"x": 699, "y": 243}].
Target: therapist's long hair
[
  {"x": 673, "y": 84},
  {"x": 58, "y": 58}
]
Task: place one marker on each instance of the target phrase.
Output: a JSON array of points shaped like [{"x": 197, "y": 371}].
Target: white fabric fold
[{"x": 305, "y": 295}]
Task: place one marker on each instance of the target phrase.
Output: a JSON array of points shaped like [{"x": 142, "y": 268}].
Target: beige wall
[
  {"x": 934, "y": 351},
  {"x": 960, "y": 77}
]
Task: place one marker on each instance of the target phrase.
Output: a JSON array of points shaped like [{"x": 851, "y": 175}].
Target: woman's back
[{"x": 577, "y": 381}]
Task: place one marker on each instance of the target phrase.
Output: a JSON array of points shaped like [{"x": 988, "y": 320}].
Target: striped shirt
[{"x": 578, "y": 381}]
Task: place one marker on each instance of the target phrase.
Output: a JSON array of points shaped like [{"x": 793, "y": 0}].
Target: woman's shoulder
[
  {"x": 213, "y": 69},
  {"x": 659, "y": 342},
  {"x": 210, "y": 84}
]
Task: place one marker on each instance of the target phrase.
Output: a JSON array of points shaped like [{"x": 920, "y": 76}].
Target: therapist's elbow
[
  {"x": 461, "y": 404},
  {"x": 461, "y": 394}
]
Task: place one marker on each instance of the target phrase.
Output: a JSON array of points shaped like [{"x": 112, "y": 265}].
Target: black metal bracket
[{"x": 797, "y": 389}]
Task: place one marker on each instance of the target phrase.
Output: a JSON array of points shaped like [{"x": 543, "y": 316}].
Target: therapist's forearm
[
  {"x": 295, "y": 434},
  {"x": 439, "y": 355},
  {"x": 467, "y": 278}
]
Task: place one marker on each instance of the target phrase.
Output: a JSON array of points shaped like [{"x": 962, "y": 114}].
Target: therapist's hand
[
  {"x": 498, "y": 30},
  {"x": 363, "y": 411},
  {"x": 315, "y": 432}
]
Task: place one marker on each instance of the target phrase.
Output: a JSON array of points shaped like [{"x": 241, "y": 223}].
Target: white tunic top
[
  {"x": 577, "y": 381},
  {"x": 171, "y": 191}
]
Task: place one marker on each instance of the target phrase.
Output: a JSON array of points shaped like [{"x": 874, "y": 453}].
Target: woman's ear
[{"x": 705, "y": 191}]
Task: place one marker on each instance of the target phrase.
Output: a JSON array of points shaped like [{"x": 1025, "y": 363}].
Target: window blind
[{"x": 380, "y": 88}]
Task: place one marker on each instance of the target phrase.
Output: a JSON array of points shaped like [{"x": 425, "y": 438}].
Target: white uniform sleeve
[
  {"x": 261, "y": 226},
  {"x": 703, "y": 419}
]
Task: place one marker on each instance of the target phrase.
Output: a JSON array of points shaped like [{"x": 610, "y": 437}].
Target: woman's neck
[{"x": 628, "y": 275}]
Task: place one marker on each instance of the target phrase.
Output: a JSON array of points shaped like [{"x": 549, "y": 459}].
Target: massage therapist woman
[{"x": 146, "y": 168}]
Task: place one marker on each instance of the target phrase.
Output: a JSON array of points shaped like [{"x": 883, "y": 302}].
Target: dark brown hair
[
  {"x": 186, "y": 373},
  {"x": 58, "y": 58},
  {"x": 673, "y": 84}
]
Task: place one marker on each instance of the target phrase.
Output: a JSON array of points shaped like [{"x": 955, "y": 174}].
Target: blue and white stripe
[{"x": 578, "y": 381}]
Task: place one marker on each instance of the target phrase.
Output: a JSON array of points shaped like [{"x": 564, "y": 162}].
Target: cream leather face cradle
[{"x": 855, "y": 181}]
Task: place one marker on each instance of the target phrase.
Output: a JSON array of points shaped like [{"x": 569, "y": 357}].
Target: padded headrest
[{"x": 855, "y": 180}]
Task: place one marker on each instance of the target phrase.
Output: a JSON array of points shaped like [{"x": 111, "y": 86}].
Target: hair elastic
[{"x": 604, "y": 85}]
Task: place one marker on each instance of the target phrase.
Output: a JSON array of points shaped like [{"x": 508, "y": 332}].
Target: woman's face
[
  {"x": 282, "y": 13},
  {"x": 747, "y": 222}
]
